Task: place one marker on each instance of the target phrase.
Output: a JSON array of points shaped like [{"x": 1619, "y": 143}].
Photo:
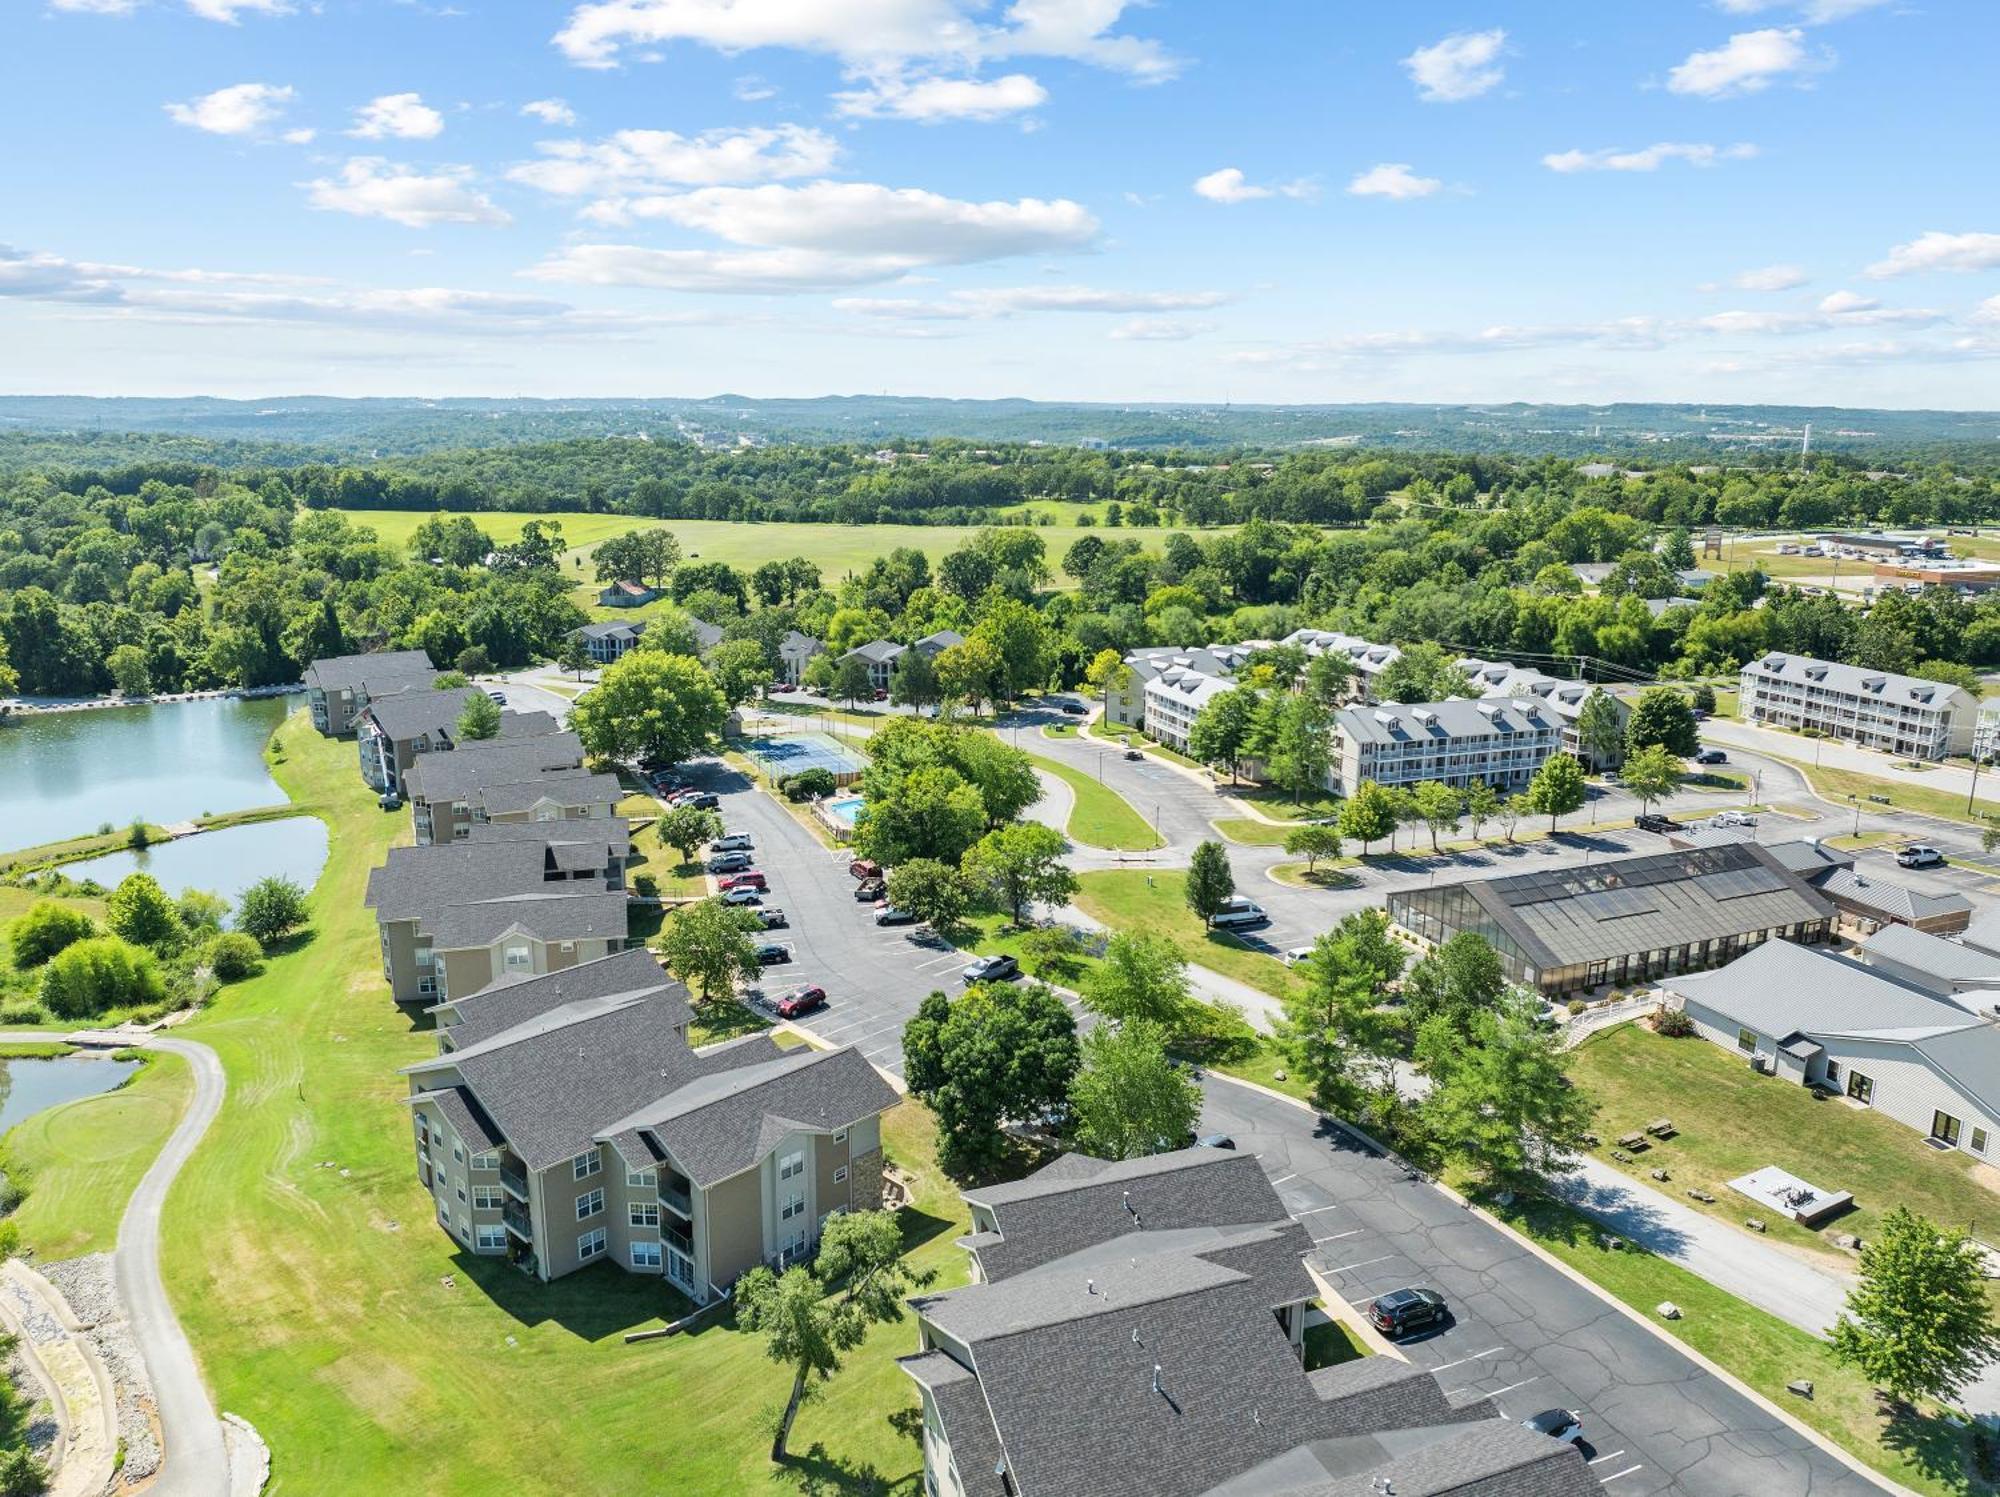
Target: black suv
[
  {"x": 1653, "y": 821},
  {"x": 1401, "y": 1311}
]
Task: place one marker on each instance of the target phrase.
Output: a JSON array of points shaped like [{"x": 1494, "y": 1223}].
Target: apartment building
[
  {"x": 609, "y": 641},
  {"x": 1170, "y": 685},
  {"x": 1986, "y": 732},
  {"x": 565, "y": 1120},
  {"x": 392, "y": 731},
  {"x": 1565, "y": 698},
  {"x": 507, "y": 902},
  {"x": 881, "y": 655},
  {"x": 1501, "y": 740},
  {"x": 1365, "y": 659},
  {"x": 1902, "y": 715},
  {"x": 1134, "y": 1330},
  {"x": 795, "y": 653},
  {"x": 505, "y": 780},
  {"x": 339, "y": 688}
]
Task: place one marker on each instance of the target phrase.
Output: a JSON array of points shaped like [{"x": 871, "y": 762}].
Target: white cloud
[
  {"x": 1769, "y": 278},
  {"x": 630, "y": 161},
  {"x": 751, "y": 89},
  {"x": 1745, "y": 64},
  {"x": 932, "y": 100},
  {"x": 1159, "y": 330},
  {"x": 1392, "y": 179},
  {"x": 397, "y": 116},
  {"x": 240, "y": 109},
  {"x": 94, "y": 8},
  {"x": 226, "y": 10},
  {"x": 1939, "y": 251},
  {"x": 759, "y": 272},
  {"x": 1645, "y": 159},
  {"x": 1847, "y": 301},
  {"x": 1462, "y": 66},
  {"x": 300, "y": 137},
  {"x": 1229, "y": 185},
  {"x": 873, "y": 37},
  {"x": 1816, "y": 11},
  {"x": 1988, "y": 310},
  {"x": 370, "y": 187},
  {"x": 549, "y": 111},
  {"x": 1006, "y": 301}
]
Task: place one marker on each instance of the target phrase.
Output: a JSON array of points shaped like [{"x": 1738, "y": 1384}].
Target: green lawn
[
  {"x": 81, "y": 1162},
  {"x": 1101, "y": 816},
  {"x": 1275, "y": 802},
  {"x": 1327, "y": 873},
  {"x": 1331, "y": 1344},
  {"x": 1252, "y": 833},
  {"x": 1838, "y": 784},
  {"x": 373, "y": 1355},
  {"x": 1133, "y": 899},
  {"x": 1733, "y": 1120},
  {"x": 1924, "y": 1453}
]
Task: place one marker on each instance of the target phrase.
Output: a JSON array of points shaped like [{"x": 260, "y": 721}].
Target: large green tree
[
  {"x": 1456, "y": 981},
  {"x": 1919, "y": 1323},
  {"x": 479, "y": 719},
  {"x": 1142, "y": 977},
  {"x": 684, "y": 828},
  {"x": 709, "y": 945},
  {"x": 1128, "y": 1098},
  {"x": 1500, "y": 1102},
  {"x": 936, "y": 893},
  {"x": 1423, "y": 672},
  {"x": 1368, "y": 814},
  {"x": 1557, "y": 788},
  {"x": 1312, "y": 842},
  {"x": 1651, "y": 773},
  {"x": 651, "y": 706},
  {"x": 1223, "y": 729},
  {"x": 1296, "y": 739},
  {"x": 1663, "y": 716},
  {"x": 1001, "y": 1052},
  {"x": 272, "y": 908},
  {"x": 139, "y": 911},
  {"x": 648, "y": 556},
  {"x": 1021, "y": 864},
  {"x": 98, "y": 975},
  {"x": 1335, "y": 1033},
  {"x": 1600, "y": 728},
  {"x": 930, "y": 813},
  {"x": 1209, "y": 881},
  {"x": 1438, "y": 805},
  {"x": 45, "y": 929}
]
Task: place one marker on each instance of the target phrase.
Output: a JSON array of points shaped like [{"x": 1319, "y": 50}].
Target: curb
[
  {"x": 1806, "y": 1432},
  {"x": 89, "y": 1437}
]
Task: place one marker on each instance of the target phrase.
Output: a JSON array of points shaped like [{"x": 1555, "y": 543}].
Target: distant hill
[{"x": 316, "y": 428}]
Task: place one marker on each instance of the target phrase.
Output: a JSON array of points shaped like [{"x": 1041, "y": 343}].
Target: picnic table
[
  {"x": 1660, "y": 1128},
  {"x": 1633, "y": 1141}
]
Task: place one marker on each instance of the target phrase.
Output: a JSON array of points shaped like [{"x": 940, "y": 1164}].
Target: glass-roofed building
[{"x": 1628, "y": 920}]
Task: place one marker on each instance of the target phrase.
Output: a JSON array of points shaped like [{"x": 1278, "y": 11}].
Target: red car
[
  {"x": 862, "y": 868},
  {"x": 801, "y": 1001},
  {"x": 749, "y": 878}
]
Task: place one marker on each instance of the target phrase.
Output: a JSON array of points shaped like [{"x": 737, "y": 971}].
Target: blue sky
[{"x": 1708, "y": 200}]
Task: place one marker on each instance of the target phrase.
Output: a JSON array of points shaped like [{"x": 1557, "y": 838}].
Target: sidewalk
[{"x": 1829, "y": 753}]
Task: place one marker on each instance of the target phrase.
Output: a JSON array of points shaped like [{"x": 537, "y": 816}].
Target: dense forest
[{"x": 174, "y": 576}]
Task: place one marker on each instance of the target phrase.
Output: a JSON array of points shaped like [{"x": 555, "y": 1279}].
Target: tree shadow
[
  {"x": 919, "y": 1227},
  {"x": 1953, "y": 1455},
  {"x": 817, "y": 1474},
  {"x": 594, "y": 1303}
]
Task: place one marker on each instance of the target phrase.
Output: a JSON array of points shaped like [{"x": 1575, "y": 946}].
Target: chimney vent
[{"x": 1156, "y": 1379}]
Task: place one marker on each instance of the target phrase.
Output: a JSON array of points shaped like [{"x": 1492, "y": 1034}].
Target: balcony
[
  {"x": 514, "y": 1216},
  {"x": 675, "y": 1238},
  {"x": 514, "y": 1182},
  {"x": 675, "y": 1198}
]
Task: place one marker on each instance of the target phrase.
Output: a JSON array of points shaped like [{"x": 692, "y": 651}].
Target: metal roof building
[{"x": 1626, "y": 920}]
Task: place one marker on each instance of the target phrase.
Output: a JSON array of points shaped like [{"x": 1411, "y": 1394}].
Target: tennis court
[{"x": 794, "y": 753}]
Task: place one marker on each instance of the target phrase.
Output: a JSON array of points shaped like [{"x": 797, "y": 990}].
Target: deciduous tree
[
  {"x": 1222, "y": 730},
  {"x": 1500, "y": 1102},
  {"x": 1002, "y": 1051},
  {"x": 709, "y": 945},
  {"x": 1557, "y": 788},
  {"x": 1021, "y": 863},
  {"x": 684, "y": 828},
  {"x": 1142, "y": 977},
  {"x": 1919, "y": 1323},
  {"x": 272, "y": 908},
  {"x": 1368, "y": 815},
  {"x": 936, "y": 893},
  {"x": 1312, "y": 843},
  {"x": 651, "y": 706},
  {"x": 1128, "y": 1098},
  {"x": 479, "y": 718},
  {"x": 1651, "y": 773},
  {"x": 1209, "y": 881},
  {"x": 1438, "y": 806},
  {"x": 1662, "y": 716}
]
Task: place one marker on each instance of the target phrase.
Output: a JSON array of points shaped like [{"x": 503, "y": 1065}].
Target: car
[
  {"x": 498, "y": 696},
  {"x": 888, "y": 914},
  {"x": 800, "y": 1000},
  {"x": 730, "y": 862},
  {"x": 772, "y": 916},
  {"x": 863, "y": 868},
  {"x": 701, "y": 800},
  {"x": 1731, "y": 818},
  {"x": 1072, "y": 709},
  {"x": 773, "y": 954},
  {"x": 742, "y": 896},
  {"x": 1711, "y": 756},
  {"x": 1653, "y": 821},
  {"x": 731, "y": 842},
  {"x": 992, "y": 969},
  {"x": 1134, "y": 754},
  {"x": 881, "y": 693},
  {"x": 389, "y": 800},
  {"x": 1296, "y": 955},
  {"x": 1401, "y": 1311},
  {"x": 1919, "y": 856},
  {"x": 1558, "y": 1424},
  {"x": 1215, "y": 1141},
  {"x": 870, "y": 890},
  {"x": 749, "y": 878}
]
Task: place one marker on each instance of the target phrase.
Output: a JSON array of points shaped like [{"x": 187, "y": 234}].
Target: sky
[{"x": 1182, "y": 200}]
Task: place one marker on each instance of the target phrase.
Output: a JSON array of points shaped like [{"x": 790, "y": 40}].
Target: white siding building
[
  {"x": 1565, "y": 698},
  {"x": 1500, "y": 740},
  {"x": 1902, "y": 715}
]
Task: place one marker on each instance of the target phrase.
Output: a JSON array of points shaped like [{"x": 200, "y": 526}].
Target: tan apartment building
[
  {"x": 392, "y": 732},
  {"x": 566, "y": 1120},
  {"x": 1907, "y": 716},
  {"x": 339, "y": 688},
  {"x": 505, "y": 780},
  {"x": 508, "y": 902}
]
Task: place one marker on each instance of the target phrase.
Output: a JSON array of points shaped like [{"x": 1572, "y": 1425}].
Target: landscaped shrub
[
  {"x": 141, "y": 913},
  {"x": 233, "y": 956},
  {"x": 646, "y": 886},
  {"x": 808, "y": 784},
  {"x": 271, "y": 909},
  {"x": 103, "y": 973},
  {"x": 1576, "y": 1006},
  {"x": 1673, "y": 1023},
  {"x": 45, "y": 929},
  {"x": 22, "y": 1013}
]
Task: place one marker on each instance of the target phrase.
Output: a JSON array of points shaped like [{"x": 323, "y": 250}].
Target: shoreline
[{"x": 44, "y": 706}]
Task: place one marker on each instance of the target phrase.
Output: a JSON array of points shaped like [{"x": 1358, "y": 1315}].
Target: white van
[{"x": 1238, "y": 912}]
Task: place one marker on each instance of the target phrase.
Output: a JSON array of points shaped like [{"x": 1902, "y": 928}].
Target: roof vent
[
  {"x": 1156, "y": 1379},
  {"x": 1090, "y": 1286}
]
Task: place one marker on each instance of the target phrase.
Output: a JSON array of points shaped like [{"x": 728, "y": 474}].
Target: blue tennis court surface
[{"x": 793, "y": 753}]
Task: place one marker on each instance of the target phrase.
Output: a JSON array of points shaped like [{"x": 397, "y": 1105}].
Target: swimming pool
[{"x": 845, "y": 809}]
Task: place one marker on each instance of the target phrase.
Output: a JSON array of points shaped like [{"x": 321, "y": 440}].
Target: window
[
  {"x": 590, "y": 1245},
  {"x": 424, "y": 957},
  {"x": 645, "y": 1213},
  {"x": 486, "y": 1198},
  {"x": 461, "y": 1194},
  {"x": 423, "y": 1130},
  {"x": 645, "y": 1255},
  {"x": 491, "y": 1239},
  {"x": 586, "y": 1164},
  {"x": 588, "y": 1206},
  {"x": 1861, "y": 1088},
  {"x": 487, "y": 1161},
  {"x": 517, "y": 958},
  {"x": 840, "y": 1137},
  {"x": 795, "y": 1205},
  {"x": 791, "y": 1166},
  {"x": 639, "y": 1179},
  {"x": 840, "y": 1175},
  {"x": 457, "y": 1154},
  {"x": 444, "y": 1214},
  {"x": 1746, "y": 1040},
  {"x": 1979, "y": 1140},
  {"x": 427, "y": 987},
  {"x": 1945, "y": 1128}
]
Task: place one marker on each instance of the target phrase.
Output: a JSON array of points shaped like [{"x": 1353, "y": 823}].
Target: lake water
[
  {"x": 64, "y": 774},
  {"x": 225, "y": 862},
  {"x": 29, "y": 1086}
]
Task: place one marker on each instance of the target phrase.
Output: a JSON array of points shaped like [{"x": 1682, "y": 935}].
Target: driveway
[{"x": 1524, "y": 1334}]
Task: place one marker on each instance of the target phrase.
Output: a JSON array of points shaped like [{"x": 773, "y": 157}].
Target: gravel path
[{"x": 87, "y": 1284}]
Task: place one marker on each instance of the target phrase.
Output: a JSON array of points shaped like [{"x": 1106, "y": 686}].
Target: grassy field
[
  {"x": 1924, "y": 1452},
  {"x": 1733, "y": 1121},
  {"x": 81, "y": 1162},
  {"x": 1838, "y": 784},
  {"x": 1252, "y": 833},
  {"x": 1133, "y": 899},
  {"x": 372, "y": 1354},
  {"x": 1101, "y": 816},
  {"x": 1279, "y": 803}
]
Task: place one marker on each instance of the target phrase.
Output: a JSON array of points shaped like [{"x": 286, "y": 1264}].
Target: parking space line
[
  {"x": 1512, "y": 1386},
  {"x": 1626, "y": 1472},
  {"x": 1283, "y": 1178},
  {"x": 1302, "y": 1215},
  {"x": 1336, "y": 1236},
  {"x": 1489, "y": 1352},
  {"x": 1611, "y": 1456},
  {"x": 1350, "y": 1267}
]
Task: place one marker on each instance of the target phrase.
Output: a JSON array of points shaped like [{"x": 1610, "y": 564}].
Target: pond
[
  {"x": 31, "y": 1086},
  {"x": 64, "y": 774},
  {"x": 225, "y": 862}
]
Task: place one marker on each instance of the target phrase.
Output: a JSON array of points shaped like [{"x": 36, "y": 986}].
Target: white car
[
  {"x": 1919, "y": 857},
  {"x": 1558, "y": 1424},
  {"x": 734, "y": 842},
  {"x": 1296, "y": 955},
  {"x": 1731, "y": 818}
]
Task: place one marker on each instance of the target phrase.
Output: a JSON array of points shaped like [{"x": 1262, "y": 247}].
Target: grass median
[
  {"x": 327, "y": 1308},
  {"x": 1101, "y": 817},
  {"x": 1156, "y": 902}
]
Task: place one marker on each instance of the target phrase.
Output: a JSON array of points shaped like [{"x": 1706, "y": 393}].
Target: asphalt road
[{"x": 1523, "y": 1334}]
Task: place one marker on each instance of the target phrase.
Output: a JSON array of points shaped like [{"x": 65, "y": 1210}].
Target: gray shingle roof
[
  {"x": 1808, "y": 858},
  {"x": 411, "y": 714},
  {"x": 1057, "y": 1211},
  {"x": 455, "y": 775},
  {"x": 1832, "y": 675},
  {"x": 612, "y": 629},
  {"x": 1456, "y": 718},
  {"x": 503, "y": 1005},
  {"x": 562, "y": 911},
  {"x": 706, "y": 635},
  {"x": 797, "y": 644},
  {"x": 468, "y": 1119},
  {"x": 1934, "y": 955},
  {"x": 468, "y": 893},
  {"x": 1780, "y": 989},
  {"x": 880, "y": 651},
  {"x": 345, "y": 672},
  {"x": 975, "y": 1448},
  {"x": 1492, "y": 1458},
  {"x": 415, "y": 881},
  {"x": 1893, "y": 900},
  {"x": 561, "y": 788}
]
